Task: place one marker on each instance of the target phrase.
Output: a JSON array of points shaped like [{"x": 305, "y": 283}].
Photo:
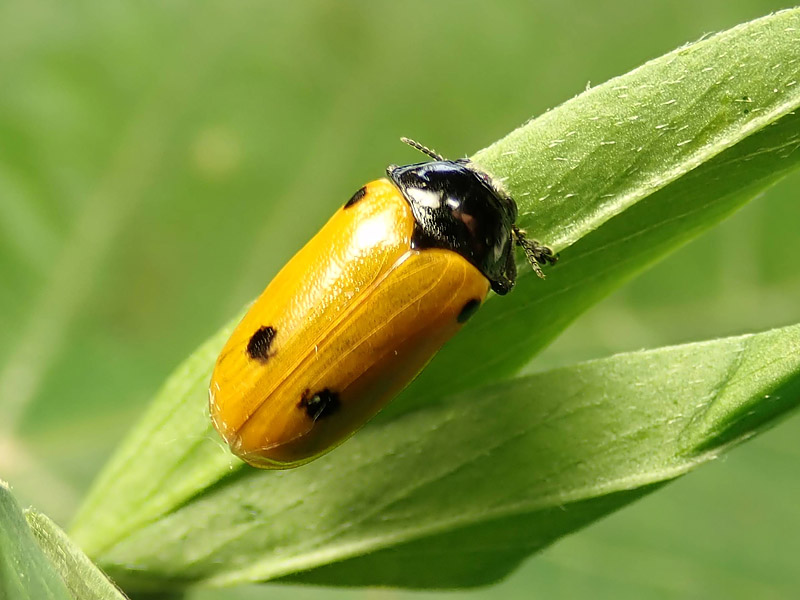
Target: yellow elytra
[{"x": 357, "y": 313}]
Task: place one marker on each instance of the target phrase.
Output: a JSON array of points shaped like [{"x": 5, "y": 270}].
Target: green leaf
[
  {"x": 38, "y": 560},
  {"x": 25, "y": 572},
  {"x": 508, "y": 332},
  {"x": 460, "y": 492},
  {"x": 590, "y": 159},
  {"x": 81, "y": 576},
  {"x": 613, "y": 209},
  {"x": 695, "y": 134}
]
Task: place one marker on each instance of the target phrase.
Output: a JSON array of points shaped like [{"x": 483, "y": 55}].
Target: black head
[{"x": 458, "y": 207}]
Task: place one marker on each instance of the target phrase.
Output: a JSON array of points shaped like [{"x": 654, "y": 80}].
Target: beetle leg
[{"x": 536, "y": 253}]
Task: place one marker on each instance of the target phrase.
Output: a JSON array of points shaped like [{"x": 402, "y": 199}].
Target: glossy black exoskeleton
[{"x": 458, "y": 207}]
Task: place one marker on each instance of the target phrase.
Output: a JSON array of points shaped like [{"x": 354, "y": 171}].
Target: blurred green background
[{"x": 158, "y": 164}]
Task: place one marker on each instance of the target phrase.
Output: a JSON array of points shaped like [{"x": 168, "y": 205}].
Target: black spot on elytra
[
  {"x": 356, "y": 197},
  {"x": 320, "y": 405},
  {"x": 468, "y": 310},
  {"x": 258, "y": 346}
]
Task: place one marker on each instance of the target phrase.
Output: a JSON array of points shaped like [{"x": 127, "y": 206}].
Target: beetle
[{"x": 357, "y": 313}]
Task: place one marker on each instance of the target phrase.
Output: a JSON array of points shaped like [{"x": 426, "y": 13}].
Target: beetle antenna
[{"x": 424, "y": 149}]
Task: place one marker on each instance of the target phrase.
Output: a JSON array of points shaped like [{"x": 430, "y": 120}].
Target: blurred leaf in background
[
  {"x": 25, "y": 571},
  {"x": 159, "y": 163},
  {"x": 39, "y": 562}
]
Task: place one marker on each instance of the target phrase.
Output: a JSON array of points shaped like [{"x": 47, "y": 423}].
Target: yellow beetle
[{"x": 357, "y": 313}]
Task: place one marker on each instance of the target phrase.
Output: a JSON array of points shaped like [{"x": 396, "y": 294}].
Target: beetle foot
[{"x": 536, "y": 253}]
